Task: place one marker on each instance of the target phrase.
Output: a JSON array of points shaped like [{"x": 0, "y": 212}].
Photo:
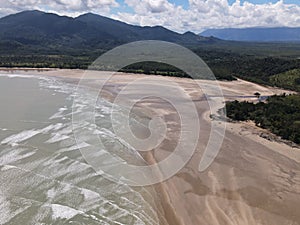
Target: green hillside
[{"x": 289, "y": 80}]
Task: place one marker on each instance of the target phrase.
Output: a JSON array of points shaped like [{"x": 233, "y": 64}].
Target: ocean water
[{"x": 44, "y": 179}]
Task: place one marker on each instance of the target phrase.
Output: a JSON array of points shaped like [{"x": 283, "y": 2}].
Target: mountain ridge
[
  {"x": 37, "y": 28},
  {"x": 256, "y": 34}
]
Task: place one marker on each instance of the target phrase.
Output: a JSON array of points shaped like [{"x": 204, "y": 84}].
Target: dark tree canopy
[{"x": 280, "y": 114}]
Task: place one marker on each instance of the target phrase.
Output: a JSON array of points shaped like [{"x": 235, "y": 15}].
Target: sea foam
[{"x": 22, "y": 136}]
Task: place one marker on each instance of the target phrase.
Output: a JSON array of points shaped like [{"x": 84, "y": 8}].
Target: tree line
[{"x": 280, "y": 114}]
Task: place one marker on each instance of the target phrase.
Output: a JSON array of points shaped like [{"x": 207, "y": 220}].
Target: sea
[{"x": 44, "y": 179}]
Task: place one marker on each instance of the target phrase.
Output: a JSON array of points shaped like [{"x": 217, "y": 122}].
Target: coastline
[{"x": 193, "y": 198}]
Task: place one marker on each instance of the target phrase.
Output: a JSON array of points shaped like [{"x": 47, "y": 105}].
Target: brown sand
[{"x": 253, "y": 180}]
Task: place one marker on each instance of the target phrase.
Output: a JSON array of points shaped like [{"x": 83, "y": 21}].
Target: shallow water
[{"x": 43, "y": 177}]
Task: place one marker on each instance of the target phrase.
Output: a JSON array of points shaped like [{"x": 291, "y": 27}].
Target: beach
[{"x": 254, "y": 179}]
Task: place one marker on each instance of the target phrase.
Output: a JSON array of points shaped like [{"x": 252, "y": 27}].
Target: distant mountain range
[
  {"x": 36, "y": 32},
  {"x": 281, "y": 34},
  {"x": 36, "y": 28}
]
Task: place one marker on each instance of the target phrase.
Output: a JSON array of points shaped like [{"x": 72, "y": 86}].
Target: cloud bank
[
  {"x": 200, "y": 15},
  {"x": 63, "y": 7}
]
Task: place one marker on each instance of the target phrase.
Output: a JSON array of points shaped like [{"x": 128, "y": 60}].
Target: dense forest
[
  {"x": 279, "y": 114},
  {"x": 226, "y": 64}
]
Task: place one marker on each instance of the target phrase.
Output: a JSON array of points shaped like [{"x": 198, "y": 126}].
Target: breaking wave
[{"x": 45, "y": 180}]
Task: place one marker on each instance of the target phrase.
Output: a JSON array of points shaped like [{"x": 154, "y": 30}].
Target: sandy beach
[{"x": 255, "y": 178}]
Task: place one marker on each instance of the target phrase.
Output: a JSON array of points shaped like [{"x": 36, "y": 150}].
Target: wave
[
  {"x": 20, "y": 137},
  {"x": 51, "y": 183}
]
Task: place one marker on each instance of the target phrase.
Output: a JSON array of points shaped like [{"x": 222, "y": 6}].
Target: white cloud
[
  {"x": 152, "y": 6},
  {"x": 201, "y": 14},
  {"x": 63, "y": 7}
]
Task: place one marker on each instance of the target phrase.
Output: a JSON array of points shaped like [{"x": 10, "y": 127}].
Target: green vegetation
[
  {"x": 288, "y": 80},
  {"x": 280, "y": 114},
  {"x": 259, "y": 67},
  {"x": 153, "y": 68},
  {"x": 45, "y": 61},
  {"x": 225, "y": 63}
]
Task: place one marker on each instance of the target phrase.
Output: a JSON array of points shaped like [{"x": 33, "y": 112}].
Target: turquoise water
[{"x": 43, "y": 177}]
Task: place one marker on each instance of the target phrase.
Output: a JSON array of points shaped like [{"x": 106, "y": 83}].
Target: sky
[{"x": 177, "y": 15}]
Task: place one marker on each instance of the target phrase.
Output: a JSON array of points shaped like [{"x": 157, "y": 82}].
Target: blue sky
[
  {"x": 267, "y": 1},
  {"x": 185, "y": 3},
  {"x": 197, "y": 15},
  {"x": 123, "y": 7},
  {"x": 177, "y": 15}
]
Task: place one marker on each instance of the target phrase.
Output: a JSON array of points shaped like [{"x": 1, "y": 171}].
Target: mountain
[
  {"x": 280, "y": 34},
  {"x": 47, "y": 30}
]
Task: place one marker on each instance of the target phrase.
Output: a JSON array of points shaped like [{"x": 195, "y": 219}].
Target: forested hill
[{"x": 51, "y": 31}]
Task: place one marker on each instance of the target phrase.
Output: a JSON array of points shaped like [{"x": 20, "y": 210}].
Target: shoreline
[
  {"x": 266, "y": 134},
  {"x": 161, "y": 197},
  {"x": 182, "y": 196}
]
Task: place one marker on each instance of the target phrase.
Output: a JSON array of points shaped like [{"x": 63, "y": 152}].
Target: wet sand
[{"x": 253, "y": 180}]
